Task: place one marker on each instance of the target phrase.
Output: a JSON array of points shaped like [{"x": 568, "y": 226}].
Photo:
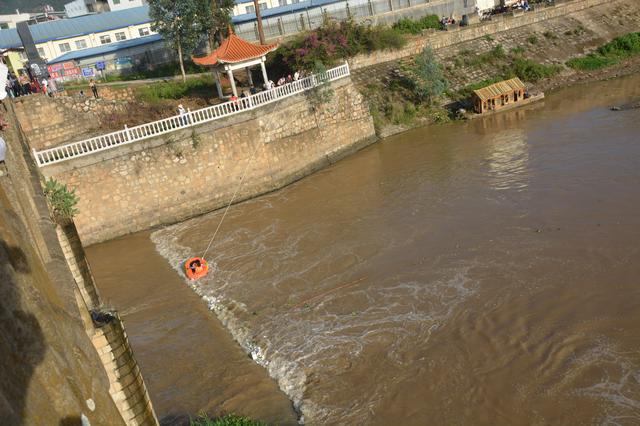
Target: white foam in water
[
  {"x": 620, "y": 379},
  {"x": 290, "y": 379},
  {"x": 298, "y": 341}
]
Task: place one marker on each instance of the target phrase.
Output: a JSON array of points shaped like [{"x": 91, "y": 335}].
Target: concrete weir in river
[{"x": 494, "y": 265}]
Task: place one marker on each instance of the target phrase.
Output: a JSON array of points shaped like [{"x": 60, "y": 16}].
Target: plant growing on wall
[
  {"x": 322, "y": 92},
  {"x": 62, "y": 201},
  {"x": 181, "y": 24},
  {"x": 427, "y": 78}
]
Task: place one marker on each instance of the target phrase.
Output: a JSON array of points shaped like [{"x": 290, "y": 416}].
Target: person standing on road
[{"x": 94, "y": 88}]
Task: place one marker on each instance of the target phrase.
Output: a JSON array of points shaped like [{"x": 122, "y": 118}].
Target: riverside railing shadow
[{"x": 191, "y": 118}]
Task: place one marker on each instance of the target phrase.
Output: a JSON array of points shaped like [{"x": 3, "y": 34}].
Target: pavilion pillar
[
  {"x": 232, "y": 81},
  {"x": 264, "y": 71},
  {"x": 249, "y": 77},
  {"x": 216, "y": 74}
]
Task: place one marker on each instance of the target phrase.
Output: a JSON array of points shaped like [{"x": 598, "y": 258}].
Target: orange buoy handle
[{"x": 196, "y": 267}]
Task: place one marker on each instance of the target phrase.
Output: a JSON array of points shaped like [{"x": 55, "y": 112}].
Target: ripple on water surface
[{"x": 472, "y": 273}]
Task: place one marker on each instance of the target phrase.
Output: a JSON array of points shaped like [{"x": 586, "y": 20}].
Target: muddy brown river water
[{"x": 484, "y": 272}]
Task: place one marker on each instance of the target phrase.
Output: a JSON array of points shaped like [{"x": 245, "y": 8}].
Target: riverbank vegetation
[
  {"x": 506, "y": 65},
  {"x": 62, "y": 200},
  {"x": 331, "y": 44},
  {"x": 412, "y": 92},
  {"x": 415, "y": 27},
  {"x": 611, "y": 53}
]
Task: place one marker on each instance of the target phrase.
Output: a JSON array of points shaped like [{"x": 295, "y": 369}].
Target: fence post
[
  {"x": 348, "y": 11},
  {"x": 370, "y": 7},
  {"x": 391, "y": 5},
  {"x": 280, "y": 26},
  {"x": 126, "y": 130},
  {"x": 35, "y": 156}
]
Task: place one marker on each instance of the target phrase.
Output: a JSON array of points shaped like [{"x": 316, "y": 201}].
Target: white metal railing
[{"x": 177, "y": 122}]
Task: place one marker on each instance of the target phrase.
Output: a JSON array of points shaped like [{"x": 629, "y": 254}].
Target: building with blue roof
[{"x": 60, "y": 37}]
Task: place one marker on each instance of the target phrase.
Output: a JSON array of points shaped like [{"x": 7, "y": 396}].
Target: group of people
[
  {"x": 22, "y": 85},
  {"x": 521, "y": 4},
  {"x": 268, "y": 85},
  {"x": 447, "y": 20}
]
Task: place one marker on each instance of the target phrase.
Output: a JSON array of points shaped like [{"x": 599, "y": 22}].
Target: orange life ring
[{"x": 195, "y": 268}]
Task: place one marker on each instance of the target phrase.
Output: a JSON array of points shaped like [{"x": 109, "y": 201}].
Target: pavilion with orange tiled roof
[{"x": 235, "y": 53}]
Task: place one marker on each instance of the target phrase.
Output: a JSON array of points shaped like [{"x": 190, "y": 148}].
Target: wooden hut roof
[
  {"x": 233, "y": 50},
  {"x": 500, "y": 88}
]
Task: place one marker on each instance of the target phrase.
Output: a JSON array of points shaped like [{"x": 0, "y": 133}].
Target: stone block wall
[
  {"x": 78, "y": 264},
  {"x": 48, "y": 122},
  {"x": 109, "y": 93},
  {"x": 441, "y": 39},
  {"x": 127, "y": 386},
  {"x": 185, "y": 173}
]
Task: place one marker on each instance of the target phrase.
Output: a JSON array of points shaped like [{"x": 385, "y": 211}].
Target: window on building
[
  {"x": 263, "y": 6},
  {"x": 121, "y": 36},
  {"x": 295, "y": 1},
  {"x": 105, "y": 39},
  {"x": 41, "y": 52},
  {"x": 282, "y": 2},
  {"x": 143, "y": 31},
  {"x": 4, "y": 25},
  {"x": 116, "y": 1},
  {"x": 250, "y": 9},
  {"x": 81, "y": 44},
  {"x": 64, "y": 47}
]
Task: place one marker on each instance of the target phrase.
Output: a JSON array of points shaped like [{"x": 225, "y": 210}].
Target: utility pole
[{"x": 259, "y": 21}]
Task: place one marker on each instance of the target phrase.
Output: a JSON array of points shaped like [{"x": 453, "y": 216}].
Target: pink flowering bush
[{"x": 331, "y": 44}]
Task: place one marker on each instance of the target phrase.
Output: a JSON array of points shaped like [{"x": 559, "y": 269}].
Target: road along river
[{"x": 483, "y": 272}]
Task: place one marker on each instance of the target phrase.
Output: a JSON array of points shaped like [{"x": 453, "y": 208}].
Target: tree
[
  {"x": 428, "y": 80},
  {"x": 181, "y": 23},
  {"x": 220, "y": 20}
]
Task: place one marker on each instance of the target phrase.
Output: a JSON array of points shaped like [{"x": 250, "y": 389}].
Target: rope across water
[{"x": 226, "y": 210}]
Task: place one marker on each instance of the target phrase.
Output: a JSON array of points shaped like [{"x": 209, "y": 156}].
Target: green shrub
[
  {"x": 61, "y": 200},
  {"x": 549, "y": 35},
  {"x": 519, "y": 50},
  {"x": 590, "y": 62},
  {"x": 427, "y": 80},
  {"x": 532, "y": 39},
  {"x": 529, "y": 70},
  {"x": 498, "y": 52},
  {"x": 608, "y": 54},
  {"x": 175, "y": 89},
  {"x": 228, "y": 420},
  {"x": 439, "y": 115},
  {"x": 410, "y": 26},
  {"x": 623, "y": 46}
]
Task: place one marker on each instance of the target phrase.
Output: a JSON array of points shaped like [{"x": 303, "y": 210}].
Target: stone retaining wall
[
  {"x": 185, "y": 173},
  {"x": 440, "y": 39},
  {"x": 48, "y": 122},
  {"x": 127, "y": 386}
]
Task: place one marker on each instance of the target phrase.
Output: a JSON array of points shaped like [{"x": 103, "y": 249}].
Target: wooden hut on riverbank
[{"x": 498, "y": 95}]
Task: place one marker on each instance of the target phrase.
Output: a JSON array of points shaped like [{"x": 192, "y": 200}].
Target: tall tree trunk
[
  {"x": 184, "y": 74},
  {"x": 256, "y": 5}
]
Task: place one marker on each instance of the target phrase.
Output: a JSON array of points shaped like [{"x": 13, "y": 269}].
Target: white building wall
[
  {"x": 76, "y": 8},
  {"x": 10, "y": 21},
  {"x": 51, "y": 49},
  {"x": 124, "y": 4}
]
